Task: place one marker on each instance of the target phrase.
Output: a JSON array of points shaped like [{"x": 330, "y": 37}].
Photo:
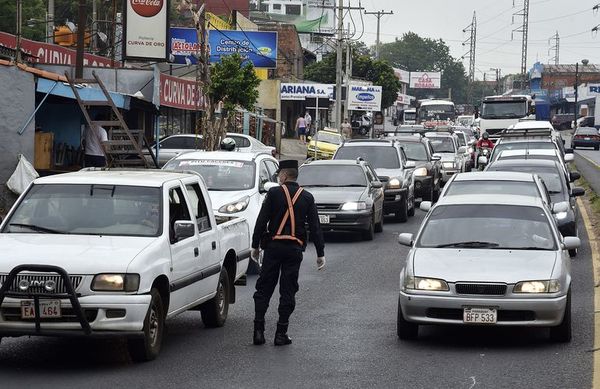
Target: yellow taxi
[{"x": 326, "y": 142}]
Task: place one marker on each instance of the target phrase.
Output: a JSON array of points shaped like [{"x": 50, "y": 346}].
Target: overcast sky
[{"x": 573, "y": 19}]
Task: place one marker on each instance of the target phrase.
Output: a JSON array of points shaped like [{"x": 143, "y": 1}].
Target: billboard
[
  {"x": 180, "y": 93},
  {"x": 146, "y": 28},
  {"x": 184, "y": 45},
  {"x": 290, "y": 91},
  {"x": 309, "y": 16},
  {"x": 258, "y": 47},
  {"x": 425, "y": 80},
  {"x": 364, "y": 98}
]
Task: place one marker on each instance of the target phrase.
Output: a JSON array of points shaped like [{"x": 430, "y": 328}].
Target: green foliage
[
  {"x": 32, "y": 9},
  {"x": 233, "y": 84},
  {"x": 414, "y": 53}
]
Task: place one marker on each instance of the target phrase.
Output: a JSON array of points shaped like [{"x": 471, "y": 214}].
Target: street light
[{"x": 583, "y": 62}]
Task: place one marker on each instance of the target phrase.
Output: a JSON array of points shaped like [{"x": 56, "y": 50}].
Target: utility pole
[
  {"x": 555, "y": 47},
  {"x": 524, "y": 30},
  {"x": 339, "y": 66},
  {"x": 50, "y": 22},
  {"x": 378, "y": 15},
  {"x": 472, "y": 29},
  {"x": 80, "y": 39},
  {"x": 18, "y": 30},
  {"x": 94, "y": 26},
  {"x": 348, "y": 71}
]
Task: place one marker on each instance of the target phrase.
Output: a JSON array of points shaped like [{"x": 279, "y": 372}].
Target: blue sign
[
  {"x": 184, "y": 45},
  {"x": 365, "y": 97},
  {"x": 258, "y": 47}
]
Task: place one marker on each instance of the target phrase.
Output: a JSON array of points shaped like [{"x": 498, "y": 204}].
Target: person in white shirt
[
  {"x": 95, "y": 137},
  {"x": 308, "y": 120}
]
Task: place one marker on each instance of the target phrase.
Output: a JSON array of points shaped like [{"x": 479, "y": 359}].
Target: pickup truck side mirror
[
  {"x": 569, "y": 158},
  {"x": 410, "y": 164},
  {"x": 576, "y": 192},
  {"x": 462, "y": 149},
  {"x": 436, "y": 157},
  {"x": 376, "y": 184},
  {"x": 184, "y": 229}
]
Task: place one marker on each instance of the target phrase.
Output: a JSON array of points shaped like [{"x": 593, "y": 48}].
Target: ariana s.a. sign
[
  {"x": 364, "y": 98},
  {"x": 425, "y": 80},
  {"x": 289, "y": 91},
  {"x": 258, "y": 47},
  {"x": 146, "y": 27}
]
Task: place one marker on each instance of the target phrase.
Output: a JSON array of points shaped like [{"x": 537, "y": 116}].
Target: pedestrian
[
  {"x": 308, "y": 120},
  {"x": 281, "y": 231},
  {"x": 346, "y": 129},
  {"x": 301, "y": 128},
  {"x": 94, "y": 143}
]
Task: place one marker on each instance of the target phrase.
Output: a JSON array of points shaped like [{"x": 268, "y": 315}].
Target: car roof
[
  {"x": 494, "y": 176},
  {"x": 334, "y": 162},
  {"x": 221, "y": 155},
  {"x": 139, "y": 177},
  {"x": 487, "y": 199},
  {"x": 368, "y": 142},
  {"x": 524, "y": 162},
  {"x": 533, "y": 124}
]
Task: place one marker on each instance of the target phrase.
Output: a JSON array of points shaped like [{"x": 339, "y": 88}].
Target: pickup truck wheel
[
  {"x": 147, "y": 348},
  {"x": 369, "y": 234},
  {"x": 214, "y": 311},
  {"x": 406, "y": 330},
  {"x": 562, "y": 332},
  {"x": 401, "y": 214}
]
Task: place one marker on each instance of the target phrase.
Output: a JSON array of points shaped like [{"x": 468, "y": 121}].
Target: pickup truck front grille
[{"x": 37, "y": 281}]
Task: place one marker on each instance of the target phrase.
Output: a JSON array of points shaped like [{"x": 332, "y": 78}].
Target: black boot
[
  {"x": 259, "y": 332},
  {"x": 281, "y": 337}
]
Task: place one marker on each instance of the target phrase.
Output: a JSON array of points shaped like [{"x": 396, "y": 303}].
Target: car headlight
[
  {"x": 431, "y": 284},
  {"x": 544, "y": 286},
  {"x": 354, "y": 206},
  {"x": 394, "y": 183},
  {"x": 448, "y": 165},
  {"x": 237, "y": 206},
  {"x": 420, "y": 172},
  {"x": 561, "y": 215},
  {"x": 116, "y": 282}
]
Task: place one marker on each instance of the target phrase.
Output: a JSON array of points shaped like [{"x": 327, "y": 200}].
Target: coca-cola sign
[{"x": 147, "y": 8}]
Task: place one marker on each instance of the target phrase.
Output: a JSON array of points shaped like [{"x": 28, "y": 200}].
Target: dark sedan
[
  {"x": 586, "y": 137},
  {"x": 348, "y": 195},
  {"x": 427, "y": 173}
]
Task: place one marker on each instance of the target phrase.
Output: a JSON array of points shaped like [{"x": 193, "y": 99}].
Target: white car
[
  {"x": 173, "y": 145},
  {"x": 248, "y": 144}
]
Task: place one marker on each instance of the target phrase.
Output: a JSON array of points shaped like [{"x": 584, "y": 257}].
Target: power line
[{"x": 378, "y": 15}]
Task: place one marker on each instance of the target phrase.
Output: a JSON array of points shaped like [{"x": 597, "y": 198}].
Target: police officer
[{"x": 281, "y": 231}]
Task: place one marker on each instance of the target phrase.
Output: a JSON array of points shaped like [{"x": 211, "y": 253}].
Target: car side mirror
[
  {"x": 569, "y": 157},
  {"x": 376, "y": 184},
  {"x": 184, "y": 229},
  {"x": 405, "y": 239},
  {"x": 436, "y": 157},
  {"x": 577, "y": 192},
  {"x": 574, "y": 176},
  {"x": 563, "y": 206},
  {"x": 410, "y": 164},
  {"x": 568, "y": 151},
  {"x": 571, "y": 243},
  {"x": 425, "y": 206},
  {"x": 267, "y": 186},
  {"x": 462, "y": 149}
]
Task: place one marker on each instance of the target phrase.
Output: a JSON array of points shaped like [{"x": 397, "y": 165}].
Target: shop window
[{"x": 293, "y": 9}]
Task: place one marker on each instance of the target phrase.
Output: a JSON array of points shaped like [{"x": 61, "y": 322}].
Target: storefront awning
[{"x": 63, "y": 89}]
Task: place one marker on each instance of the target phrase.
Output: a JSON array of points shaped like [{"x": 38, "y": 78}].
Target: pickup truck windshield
[
  {"x": 219, "y": 175},
  {"x": 415, "y": 151},
  {"x": 507, "y": 227},
  {"x": 504, "y": 110},
  {"x": 326, "y": 176},
  {"x": 377, "y": 156},
  {"x": 442, "y": 144},
  {"x": 88, "y": 210}
]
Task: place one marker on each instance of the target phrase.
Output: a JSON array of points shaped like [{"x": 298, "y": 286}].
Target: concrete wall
[{"x": 18, "y": 103}]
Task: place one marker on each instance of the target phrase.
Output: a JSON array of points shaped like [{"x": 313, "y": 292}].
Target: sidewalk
[{"x": 292, "y": 149}]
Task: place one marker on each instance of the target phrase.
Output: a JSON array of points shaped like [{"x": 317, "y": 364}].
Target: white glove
[
  {"x": 255, "y": 254},
  {"x": 320, "y": 263}
]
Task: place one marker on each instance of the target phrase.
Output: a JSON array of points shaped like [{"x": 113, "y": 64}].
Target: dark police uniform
[{"x": 282, "y": 233}]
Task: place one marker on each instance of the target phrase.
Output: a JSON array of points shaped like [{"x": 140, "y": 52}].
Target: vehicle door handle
[
  {"x": 214, "y": 245},
  {"x": 196, "y": 252}
]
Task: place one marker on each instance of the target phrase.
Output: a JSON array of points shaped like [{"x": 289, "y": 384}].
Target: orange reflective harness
[{"x": 289, "y": 214}]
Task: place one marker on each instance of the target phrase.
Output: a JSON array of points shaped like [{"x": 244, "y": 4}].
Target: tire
[
  {"x": 148, "y": 347},
  {"x": 429, "y": 196},
  {"x": 214, "y": 311},
  {"x": 402, "y": 214},
  {"x": 369, "y": 234},
  {"x": 379, "y": 226},
  {"x": 573, "y": 253},
  {"x": 562, "y": 332},
  {"x": 411, "y": 210},
  {"x": 406, "y": 330},
  {"x": 573, "y": 147},
  {"x": 597, "y": 148}
]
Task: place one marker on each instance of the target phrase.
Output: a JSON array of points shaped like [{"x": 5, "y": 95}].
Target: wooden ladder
[{"x": 125, "y": 147}]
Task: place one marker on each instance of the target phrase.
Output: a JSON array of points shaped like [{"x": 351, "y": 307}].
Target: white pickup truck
[{"x": 115, "y": 253}]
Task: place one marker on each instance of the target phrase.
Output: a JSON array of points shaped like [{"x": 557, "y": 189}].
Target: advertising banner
[
  {"x": 309, "y": 16},
  {"x": 303, "y": 91},
  {"x": 425, "y": 80},
  {"x": 184, "y": 45},
  {"x": 404, "y": 99},
  {"x": 258, "y": 47},
  {"x": 402, "y": 75},
  {"x": 146, "y": 30},
  {"x": 593, "y": 90},
  {"x": 180, "y": 93},
  {"x": 364, "y": 98}
]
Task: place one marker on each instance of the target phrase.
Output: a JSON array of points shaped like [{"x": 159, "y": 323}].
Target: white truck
[
  {"x": 116, "y": 253},
  {"x": 500, "y": 112}
]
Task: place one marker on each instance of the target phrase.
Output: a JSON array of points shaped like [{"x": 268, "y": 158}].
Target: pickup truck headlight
[
  {"x": 116, "y": 283},
  {"x": 354, "y": 206},
  {"x": 420, "y": 172},
  {"x": 394, "y": 183},
  {"x": 544, "y": 286},
  {"x": 236, "y": 206},
  {"x": 448, "y": 165}
]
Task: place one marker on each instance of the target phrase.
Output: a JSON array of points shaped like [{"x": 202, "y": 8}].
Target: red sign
[
  {"x": 180, "y": 93},
  {"x": 147, "y": 8},
  {"x": 47, "y": 53}
]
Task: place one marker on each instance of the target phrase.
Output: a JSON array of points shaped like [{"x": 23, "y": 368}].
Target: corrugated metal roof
[{"x": 590, "y": 68}]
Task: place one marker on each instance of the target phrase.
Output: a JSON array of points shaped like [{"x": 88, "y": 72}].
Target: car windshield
[
  {"x": 329, "y": 175},
  {"x": 117, "y": 210},
  {"x": 219, "y": 175},
  {"x": 377, "y": 156},
  {"x": 493, "y": 187},
  {"x": 415, "y": 151},
  {"x": 442, "y": 144},
  {"x": 504, "y": 110},
  {"x": 461, "y": 140},
  {"x": 500, "y": 227},
  {"x": 437, "y": 112},
  {"x": 586, "y": 131},
  {"x": 410, "y": 115},
  {"x": 328, "y": 137},
  {"x": 550, "y": 176}
]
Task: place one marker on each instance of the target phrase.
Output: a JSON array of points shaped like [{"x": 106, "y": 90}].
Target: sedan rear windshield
[
  {"x": 586, "y": 131},
  {"x": 493, "y": 187},
  {"x": 331, "y": 176},
  {"x": 415, "y": 151},
  {"x": 524, "y": 146},
  {"x": 377, "y": 156},
  {"x": 483, "y": 226},
  {"x": 550, "y": 176}
]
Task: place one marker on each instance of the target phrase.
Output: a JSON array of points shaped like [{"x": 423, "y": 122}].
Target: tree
[
  {"x": 234, "y": 85},
  {"x": 32, "y": 20},
  {"x": 414, "y": 53}
]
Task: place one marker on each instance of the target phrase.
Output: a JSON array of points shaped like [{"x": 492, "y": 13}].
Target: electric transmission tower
[
  {"x": 472, "y": 29},
  {"x": 554, "y": 43},
  {"x": 524, "y": 30}
]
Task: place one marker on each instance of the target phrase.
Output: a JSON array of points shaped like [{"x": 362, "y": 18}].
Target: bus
[
  {"x": 500, "y": 112},
  {"x": 433, "y": 110}
]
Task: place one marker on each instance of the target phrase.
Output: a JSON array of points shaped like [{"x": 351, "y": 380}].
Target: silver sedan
[{"x": 487, "y": 260}]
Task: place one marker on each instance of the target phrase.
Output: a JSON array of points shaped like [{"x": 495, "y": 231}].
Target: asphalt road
[{"x": 344, "y": 332}]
